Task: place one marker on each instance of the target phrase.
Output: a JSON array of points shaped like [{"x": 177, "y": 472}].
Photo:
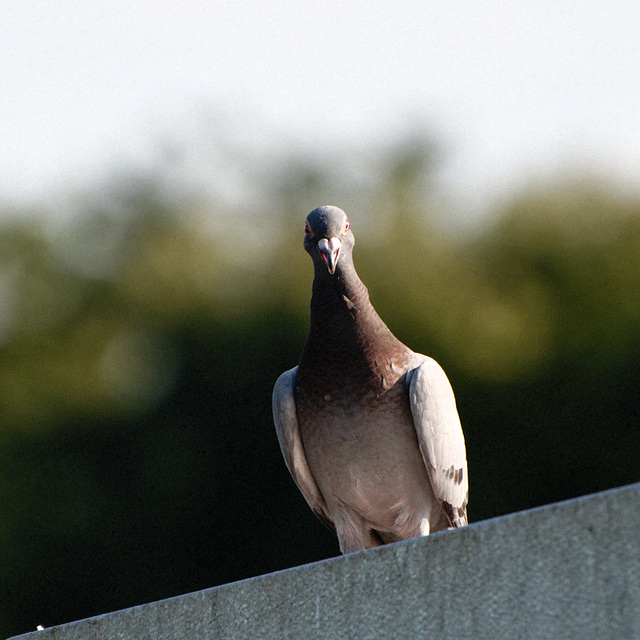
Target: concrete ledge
[{"x": 568, "y": 570}]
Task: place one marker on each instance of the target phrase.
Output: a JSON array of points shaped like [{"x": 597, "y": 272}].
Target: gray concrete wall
[{"x": 568, "y": 570}]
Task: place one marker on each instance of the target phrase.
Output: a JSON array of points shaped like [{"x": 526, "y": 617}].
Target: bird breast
[{"x": 362, "y": 447}]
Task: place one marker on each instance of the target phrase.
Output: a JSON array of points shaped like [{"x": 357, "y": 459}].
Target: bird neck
[
  {"x": 344, "y": 325},
  {"x": 339, "y": 297}
]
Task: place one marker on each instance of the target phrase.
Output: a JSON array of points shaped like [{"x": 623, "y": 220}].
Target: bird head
[{"x": 327, "y": 237}]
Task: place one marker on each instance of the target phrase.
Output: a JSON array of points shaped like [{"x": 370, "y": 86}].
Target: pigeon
[{"x": 368, "y": 429}]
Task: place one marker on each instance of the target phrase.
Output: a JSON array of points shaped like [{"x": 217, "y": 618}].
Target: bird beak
[{"x": 330, "y": 250}]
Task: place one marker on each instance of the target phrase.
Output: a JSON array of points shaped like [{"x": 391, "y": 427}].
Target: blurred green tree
[{"x": 139, "y": 343}]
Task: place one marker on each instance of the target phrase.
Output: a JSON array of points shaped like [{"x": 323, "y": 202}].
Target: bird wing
[
  {"x": 437, "y": 425},
  {"x": 286, "y": 423}
]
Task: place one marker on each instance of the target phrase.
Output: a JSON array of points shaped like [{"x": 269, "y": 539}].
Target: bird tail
[{"x": 457, "y": 516}]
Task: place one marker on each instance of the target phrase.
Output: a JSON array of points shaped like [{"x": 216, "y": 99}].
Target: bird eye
[
  {"x": 347, "y": 224},
  {"x": 307, "y": 230}
]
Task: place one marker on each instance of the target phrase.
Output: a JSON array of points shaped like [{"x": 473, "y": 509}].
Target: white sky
[{"x": 511, "y": 88}]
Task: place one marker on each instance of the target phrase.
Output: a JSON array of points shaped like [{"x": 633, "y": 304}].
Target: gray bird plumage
[{"x": 368, "y": 429}]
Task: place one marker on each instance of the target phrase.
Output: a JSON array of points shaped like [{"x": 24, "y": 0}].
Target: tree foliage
[{"x": 139, "y": 343}]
